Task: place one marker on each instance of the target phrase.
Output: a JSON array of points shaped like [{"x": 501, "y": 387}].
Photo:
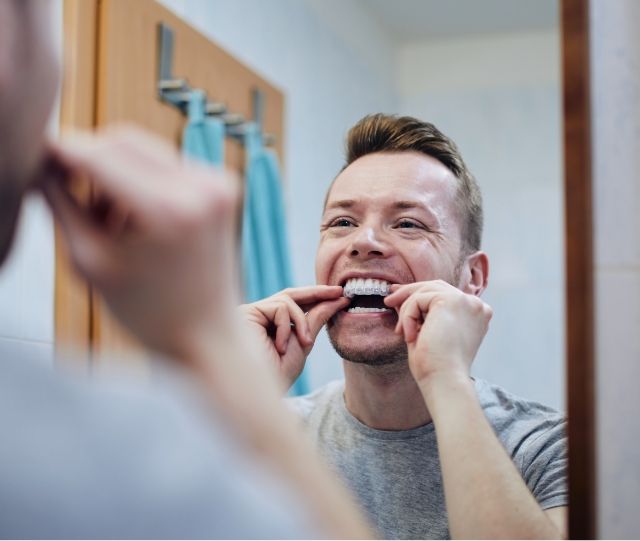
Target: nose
[{"x": 366, "y": 243}]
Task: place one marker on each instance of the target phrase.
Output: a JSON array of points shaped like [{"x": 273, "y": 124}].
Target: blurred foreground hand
[{"x": 156, "y": 239}]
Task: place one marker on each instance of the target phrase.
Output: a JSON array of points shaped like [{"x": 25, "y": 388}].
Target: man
[
  {"x": 116, "y": 460},
  {"x": 429, "y": 451}
]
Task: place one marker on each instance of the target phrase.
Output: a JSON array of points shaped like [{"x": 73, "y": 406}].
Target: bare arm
[{"x": 485, "y": 495}]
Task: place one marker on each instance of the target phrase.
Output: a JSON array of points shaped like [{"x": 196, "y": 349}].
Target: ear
[{"x": 474, "y": 276}]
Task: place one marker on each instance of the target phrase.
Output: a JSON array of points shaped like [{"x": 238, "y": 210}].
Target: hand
[
  {"x": 156, "y": 239},
  {"x": 307, "y": 308},
  {"x": 443, "y": 327}
]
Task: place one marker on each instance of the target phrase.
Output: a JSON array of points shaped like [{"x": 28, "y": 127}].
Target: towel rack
[{"x": 176, "y": 92}]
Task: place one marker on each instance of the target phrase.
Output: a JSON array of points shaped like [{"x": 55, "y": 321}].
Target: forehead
[{"x": 384, "y": 178}]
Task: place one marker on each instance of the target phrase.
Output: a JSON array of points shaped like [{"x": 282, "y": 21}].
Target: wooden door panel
[{"x": 125, "y": 90}]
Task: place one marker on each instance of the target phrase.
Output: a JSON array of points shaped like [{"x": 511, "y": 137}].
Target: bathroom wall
[
  {"x": 499, "y": 97},
  {"x": 615, "y": 141},
  {"x": 27, "y": 278}
]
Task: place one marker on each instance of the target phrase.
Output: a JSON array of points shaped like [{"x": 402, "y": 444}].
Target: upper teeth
[{"x": 366, "y": 286}]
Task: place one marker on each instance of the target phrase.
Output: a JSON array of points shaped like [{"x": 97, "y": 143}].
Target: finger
[
  {"x": 283, "y": 328},
  {"x": 410, "y": 330},
  {"x": 414, "y": 312},
  {"x": 112, "y": 217},
  {"x": 400, "y": 292},
  {"x": 322, "y": 312},
  {"x": 300, "y": 321},
  {"x": 313, "y": 294},
  {"x": 129, "y": 141},
  {"x": 411, "y": 327},
  {"x": 111, "y": 170}
]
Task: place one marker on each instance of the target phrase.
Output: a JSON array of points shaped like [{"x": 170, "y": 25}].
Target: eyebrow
[
  {"x": 404, "y": 205},
  {"x": 343, "y": 204}
]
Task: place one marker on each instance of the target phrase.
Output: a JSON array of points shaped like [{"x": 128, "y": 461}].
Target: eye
[
  {"x": 409, "y": 224},
  {"x": 341, "y": 222}
]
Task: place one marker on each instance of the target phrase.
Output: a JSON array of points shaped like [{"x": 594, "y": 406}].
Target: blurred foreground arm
[{"x": 157, "y": 241}]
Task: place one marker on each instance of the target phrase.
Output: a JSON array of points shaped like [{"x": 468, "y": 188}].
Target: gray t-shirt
[
  {"x": 119, "y": 460},
  {"x": 396, "y": 474}
]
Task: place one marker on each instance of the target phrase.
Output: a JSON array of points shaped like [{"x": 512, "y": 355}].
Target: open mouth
[{"x": 367, "y": 295}]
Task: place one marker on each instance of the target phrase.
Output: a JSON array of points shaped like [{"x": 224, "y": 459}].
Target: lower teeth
[{"x": 363, "y": 310}]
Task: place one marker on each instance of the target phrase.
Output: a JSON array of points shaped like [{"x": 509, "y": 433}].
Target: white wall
[
  {"x": 322, "y": 55},
  {"x": 499, "y": 97},
  {"x": 27, "y": 278},
  {"x": 615, "y": 140}
]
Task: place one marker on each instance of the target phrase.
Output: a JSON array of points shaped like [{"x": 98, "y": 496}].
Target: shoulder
[
  {"x": 503, "y": 407},
  {"x": 318, "y": 401},
  {"x": 535, "y": 437},
  {"x": 518, "y": 420}
]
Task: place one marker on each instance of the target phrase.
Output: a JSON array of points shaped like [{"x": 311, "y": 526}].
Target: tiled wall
[{"x": 615, "y": 59}]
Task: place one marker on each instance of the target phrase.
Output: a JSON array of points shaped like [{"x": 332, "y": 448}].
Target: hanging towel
[
  {"x": 203, "y": 136},
  {"x": 265, "y": 252}
]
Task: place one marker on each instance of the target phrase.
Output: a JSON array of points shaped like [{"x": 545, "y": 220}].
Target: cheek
[
  {"x": 424, "y": 264},
  {"x": 325, "y": 258}
]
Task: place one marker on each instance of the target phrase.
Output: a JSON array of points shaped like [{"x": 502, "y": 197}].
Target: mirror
[{"x": 488, "y": 75}]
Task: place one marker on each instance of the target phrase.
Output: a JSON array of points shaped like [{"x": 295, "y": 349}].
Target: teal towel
[
  {"x": 203, "y": 136},
  {"x": 265, "y": 252}
]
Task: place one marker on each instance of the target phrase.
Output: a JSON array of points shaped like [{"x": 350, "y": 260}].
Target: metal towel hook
[{"x": 176, "y": 92}]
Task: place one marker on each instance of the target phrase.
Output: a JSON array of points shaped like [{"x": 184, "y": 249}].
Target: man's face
[
  {"x": 28, "y": 80},
  {"x": 390, "y": 217}
]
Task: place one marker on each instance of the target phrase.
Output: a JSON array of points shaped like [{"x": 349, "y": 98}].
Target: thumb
[{"x": 322, "y": 312}]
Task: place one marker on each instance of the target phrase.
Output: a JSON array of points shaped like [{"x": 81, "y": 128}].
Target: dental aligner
[{"x": 365, "y": 286}]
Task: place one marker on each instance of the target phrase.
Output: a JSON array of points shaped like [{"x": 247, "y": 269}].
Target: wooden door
[{"x": 111, "y": 49}]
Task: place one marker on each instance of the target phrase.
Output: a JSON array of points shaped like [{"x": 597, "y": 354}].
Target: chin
[{"x": 365, "y": 347}]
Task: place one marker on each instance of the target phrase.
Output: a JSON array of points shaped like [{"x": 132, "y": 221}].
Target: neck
[{"x": 384, "y": 397}]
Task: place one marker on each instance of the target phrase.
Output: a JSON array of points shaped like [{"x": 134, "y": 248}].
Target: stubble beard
[{"x": 385, "y": 355}]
